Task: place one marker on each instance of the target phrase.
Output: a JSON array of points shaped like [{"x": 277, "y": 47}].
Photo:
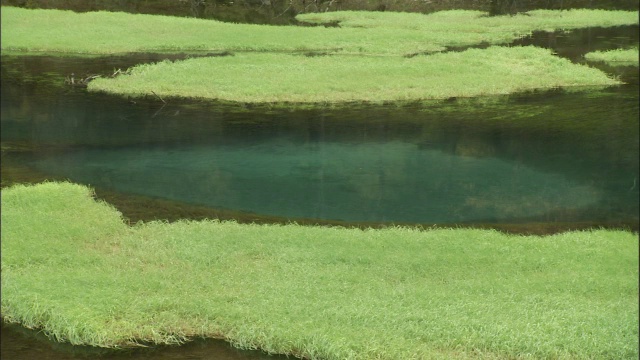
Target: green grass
[
  {"x": 58, "y": 31},
  {"x": 618, "y": 57},
  {"x": 365, "y": 62},
  {"x": 277, "y": 78},
  {"x": 468, "y": 27},
  {"x": 72, "y": 268}
]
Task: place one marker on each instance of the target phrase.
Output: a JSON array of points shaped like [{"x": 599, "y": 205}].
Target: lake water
[
  {"x": 437, "y": 166},
  {"x": 556, "y": 159}
]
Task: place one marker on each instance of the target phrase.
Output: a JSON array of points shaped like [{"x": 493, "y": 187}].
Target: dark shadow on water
[
  {"x": 19, "y": 343},
  {"x": 574, "y": 44}
]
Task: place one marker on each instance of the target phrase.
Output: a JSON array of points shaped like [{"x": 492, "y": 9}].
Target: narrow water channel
[
  {"x": 23, "y": 344},
  {"x": 556, "y": 157}
]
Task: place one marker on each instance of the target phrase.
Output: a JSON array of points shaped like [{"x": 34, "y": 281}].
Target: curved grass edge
[
  {"x": 313, "y": 292},
  {"x": 295, "y": 79},
  {"x": 617, "y": 57}
]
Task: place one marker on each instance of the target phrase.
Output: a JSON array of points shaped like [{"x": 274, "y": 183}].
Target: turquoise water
[
  {"x": 553, "y": 156},
  {"x": 365, "y": 181}
]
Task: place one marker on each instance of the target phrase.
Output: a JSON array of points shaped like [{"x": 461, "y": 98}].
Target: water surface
[{"x": 559, "y": 156}]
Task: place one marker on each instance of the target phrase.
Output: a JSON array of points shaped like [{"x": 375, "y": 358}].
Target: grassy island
[
  {"x": 370, "y": 56},
  {"x": 277, "y": 78},
  {"x": 72, "y": 268},
  {"x": 618, "y": 57}
]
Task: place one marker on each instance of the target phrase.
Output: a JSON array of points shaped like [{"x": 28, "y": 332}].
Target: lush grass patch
[
  {"x": 468, "y": 27},
  {"x": 297, "y": 78},
  {"x": 615, "y": 57},
  {"x": 361, "y": 32},
  {"x": 282, "y": 76},
  {"x": 71, "y": 267}
]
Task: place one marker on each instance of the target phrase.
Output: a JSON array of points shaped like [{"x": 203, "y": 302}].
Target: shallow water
[
  {"x": 349, "y": 181},
  {"x": 22, "y": 344},
  {"x": 553, "y": 157}
]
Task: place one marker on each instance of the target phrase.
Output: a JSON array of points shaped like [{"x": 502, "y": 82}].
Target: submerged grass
[
  {"x": 616, "y": 57},
  {"x": 71, "y": 267}
]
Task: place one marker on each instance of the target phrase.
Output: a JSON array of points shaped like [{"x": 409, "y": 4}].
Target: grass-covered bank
[
  {"x": 72, "y": 267},
  {"x": 58, "y": 31},
  {"x": 273, "y": 78},
  {"x": 367, "y": 49}
]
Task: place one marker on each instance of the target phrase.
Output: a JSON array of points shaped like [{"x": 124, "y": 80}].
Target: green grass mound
[
  {"x": 71, "y": 267},
  {"x": 618, "y": 57},
  {"x": 274, "y": 78}
]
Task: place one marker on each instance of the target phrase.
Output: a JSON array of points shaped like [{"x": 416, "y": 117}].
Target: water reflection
[
  {"x": 575, "y": 43},
  {"x": 554, "y": 157},
  {"x": 366, "y": 181}
]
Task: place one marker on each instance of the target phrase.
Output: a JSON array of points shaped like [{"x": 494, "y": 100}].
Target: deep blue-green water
[{"x": 554, "y": 156}]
